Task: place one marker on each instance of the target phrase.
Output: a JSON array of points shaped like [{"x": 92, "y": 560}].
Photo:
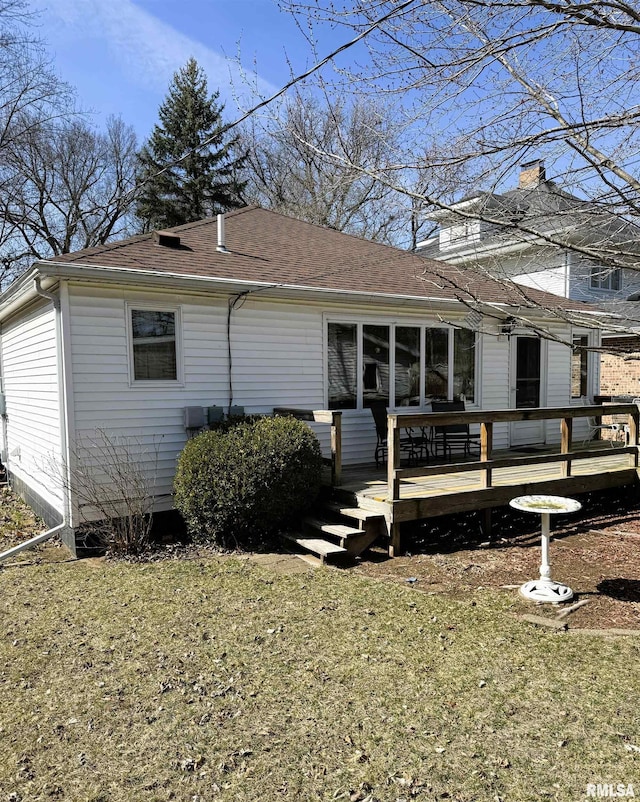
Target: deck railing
[
  {"x": 486, "y": 419},
  {"x": 334, "y": 419}
]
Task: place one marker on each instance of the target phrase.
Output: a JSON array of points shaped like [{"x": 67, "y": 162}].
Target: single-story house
[{"x": 258, "y": 310}]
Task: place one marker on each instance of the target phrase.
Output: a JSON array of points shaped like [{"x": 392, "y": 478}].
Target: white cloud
[{"x": 146, "y": 49}]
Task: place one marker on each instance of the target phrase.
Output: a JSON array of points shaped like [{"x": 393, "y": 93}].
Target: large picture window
[
  {"x": 153, "y": 338},
  {"x": 402, "y": 365}
]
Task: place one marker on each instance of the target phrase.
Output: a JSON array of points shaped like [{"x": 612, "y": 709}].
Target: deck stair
[{"x": 336, "y": 529}]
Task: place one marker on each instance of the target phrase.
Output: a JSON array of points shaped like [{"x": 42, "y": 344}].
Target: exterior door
[{"x": 526, "y": 387}]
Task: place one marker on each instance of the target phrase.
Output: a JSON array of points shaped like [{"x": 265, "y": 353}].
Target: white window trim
[
  {"x": 359, "y": 322},
  {"x": 607, "y": 274},
  {"x": 155, "y": 383}
]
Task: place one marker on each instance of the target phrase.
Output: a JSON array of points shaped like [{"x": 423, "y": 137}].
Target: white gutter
[
  {"x": 190, "y": 282},
  {"x": 187, "y": 281},
  {"x": 34, "y": 541}
]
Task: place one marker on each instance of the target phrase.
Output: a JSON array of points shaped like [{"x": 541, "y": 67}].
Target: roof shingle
[{"x": 265, "y": 246}]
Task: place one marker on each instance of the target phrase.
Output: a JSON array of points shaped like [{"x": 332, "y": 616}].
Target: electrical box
[
  {"x": 214, "y": 415},
  {"x": 236, "y": 412},
  {"x": 3, "y": 404},
  {"x": 193, "y": 418}
]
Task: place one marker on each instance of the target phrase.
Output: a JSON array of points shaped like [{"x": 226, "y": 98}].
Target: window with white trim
[
  {"x": 153, "y": 345},
  {"x": 400, "y": 364},
  {"x": 605, "y": 278}
]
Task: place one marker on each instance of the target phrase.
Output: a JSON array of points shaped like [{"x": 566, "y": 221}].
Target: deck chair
[
  {"x": 596, "y": 428},
  {"x": 408, "y": 445},
  {"x": 453, "y": 435}
]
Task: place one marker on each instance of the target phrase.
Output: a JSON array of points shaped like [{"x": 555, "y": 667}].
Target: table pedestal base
[{"x": 546, "y": 590}]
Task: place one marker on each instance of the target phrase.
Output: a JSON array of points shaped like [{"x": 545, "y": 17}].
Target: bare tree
[
  {"x": 67, "y": 187},
  {"x": 488, "y": 86},
  {"x": 63, "y": 185},
  {"x": 305, "y": 159},
  {"x": 30, "y": 95}
]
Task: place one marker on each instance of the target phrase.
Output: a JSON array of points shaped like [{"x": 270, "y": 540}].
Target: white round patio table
[{"x": 545, "y": 589}]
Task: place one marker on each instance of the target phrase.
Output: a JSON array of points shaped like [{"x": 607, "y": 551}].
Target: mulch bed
[{"x": 595, "y": 551}]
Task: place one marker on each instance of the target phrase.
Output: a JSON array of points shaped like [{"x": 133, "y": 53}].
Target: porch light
[{"x": 508, "y": 326}]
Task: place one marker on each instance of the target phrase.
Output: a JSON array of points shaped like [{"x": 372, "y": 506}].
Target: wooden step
[
  {"x": 342, "y": 531},
  {"x": 358, "y": 513},
  {"x": 316, "y": 545}
]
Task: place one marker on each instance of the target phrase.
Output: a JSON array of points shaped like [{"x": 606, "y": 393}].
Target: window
[
  {"x": 436, "y": 374},
  {"x": 606, "y": 278},
  {"x": 464, "y": 363},
  {"x": 407, "y": 364},
  {"x": 375, "y": 364},
  {"x": 153, "y": 342},
  {"x": 343, "y": 361},
  {"x": 579, "y": 366},
  {"x": 402, "y": 365}
]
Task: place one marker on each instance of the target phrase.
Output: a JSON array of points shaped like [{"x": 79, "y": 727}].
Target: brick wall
[{"x": 620, "y": 376}]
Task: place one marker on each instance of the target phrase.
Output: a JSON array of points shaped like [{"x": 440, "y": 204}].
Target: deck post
[
  {"x": 486, "y": 522},
  {"x": 336, "y": 448},
  {"x": 393, "y": 465},
  {"x": 633, "y": 433},
  {"x": 394, "y": 539},
  {"x": 566, "y": 429},
  {"x": 486, "y": 446},
  {"x": 393, "y": 457}
]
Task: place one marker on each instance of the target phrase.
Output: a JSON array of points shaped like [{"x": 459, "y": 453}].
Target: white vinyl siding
[
  {"x": 30, "y": 382},
  {"x": 279, "y": 359}
]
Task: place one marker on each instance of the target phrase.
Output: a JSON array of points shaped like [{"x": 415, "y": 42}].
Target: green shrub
[{"x": 236, "y": 488}]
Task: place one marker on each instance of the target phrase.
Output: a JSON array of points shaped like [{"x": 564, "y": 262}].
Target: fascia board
[{"x": 159, "y": 279}]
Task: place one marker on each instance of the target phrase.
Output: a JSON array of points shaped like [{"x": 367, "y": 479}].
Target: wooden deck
[
  {"x": 404, "y": 494},
  {"x": 455, "y": 488}
]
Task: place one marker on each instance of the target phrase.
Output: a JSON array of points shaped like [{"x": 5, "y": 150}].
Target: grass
[
  {"x": 220, "y": 680},
  {"x": 17, "y": 521}
]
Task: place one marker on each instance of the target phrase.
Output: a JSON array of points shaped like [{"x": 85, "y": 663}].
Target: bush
[{"x": 236, "y": 488}]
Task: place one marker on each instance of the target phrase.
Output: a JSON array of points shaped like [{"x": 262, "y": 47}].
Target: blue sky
[{"x": 121, "y": 54}]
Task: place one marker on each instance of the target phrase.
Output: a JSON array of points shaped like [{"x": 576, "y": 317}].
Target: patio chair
[
  {"x": 453, "y": 435},
  {"x": 408, "y": 444},
  {"x": 596, "y": 427}
]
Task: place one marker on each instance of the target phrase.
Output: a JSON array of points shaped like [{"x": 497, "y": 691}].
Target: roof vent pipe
[{"x": 221, "y": 248}]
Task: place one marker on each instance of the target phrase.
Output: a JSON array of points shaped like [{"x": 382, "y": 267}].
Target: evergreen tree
[{"x": 204, "y": 181}]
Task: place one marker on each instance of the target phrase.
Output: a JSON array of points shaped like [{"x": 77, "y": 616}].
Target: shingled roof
[{"x": 268, "y": 247}]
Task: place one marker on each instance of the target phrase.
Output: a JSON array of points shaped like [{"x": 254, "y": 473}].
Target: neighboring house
[
  {"x": 277, "y": 312},
  {"x": 542, "y": 206}
]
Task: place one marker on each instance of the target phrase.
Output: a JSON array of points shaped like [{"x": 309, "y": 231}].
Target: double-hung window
[
  {"x": 154, "y": 344},
  {"x": 605, "y": 278},
  {"x": 400, "y": 364}
]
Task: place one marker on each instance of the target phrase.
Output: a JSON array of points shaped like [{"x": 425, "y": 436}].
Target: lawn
[{"x": 219, "y": 679}]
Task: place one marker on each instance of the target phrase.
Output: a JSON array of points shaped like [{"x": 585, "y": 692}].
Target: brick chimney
[{"x": 531, "y": 174}]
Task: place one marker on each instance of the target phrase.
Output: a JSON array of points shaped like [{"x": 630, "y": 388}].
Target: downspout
[{"x": 33, "y": 541}]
